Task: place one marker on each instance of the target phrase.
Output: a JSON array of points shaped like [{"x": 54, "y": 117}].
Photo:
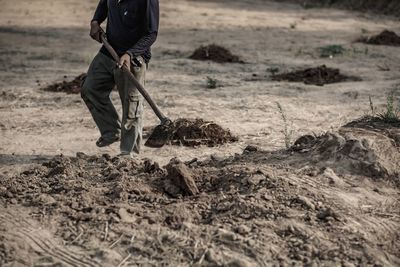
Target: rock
[{"x": 181, "y": 177}]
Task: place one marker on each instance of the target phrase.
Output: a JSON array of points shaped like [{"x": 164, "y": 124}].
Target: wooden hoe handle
[{"x": 140, "y": 88}]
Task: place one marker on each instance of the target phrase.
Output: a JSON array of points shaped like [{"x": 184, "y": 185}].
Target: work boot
[{"x": 102, "y": 142}]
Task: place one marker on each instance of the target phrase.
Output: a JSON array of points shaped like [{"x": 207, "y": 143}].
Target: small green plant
[
  {"x": 288, "y": 133},
  {"x": 391, "y": 114},
  {"x": 273, "y": 70},
  {"x": 331, "y": 51},
  {"x": 211, "y": 83}
]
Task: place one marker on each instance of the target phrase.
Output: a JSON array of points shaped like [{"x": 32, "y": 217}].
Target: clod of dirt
[
  {"x": 151, "y": 166},
  {"x": 215, "y": 53},
  {"x": 318, "y": 76},
  {"x": 189, "y": 132},
  {"x": 71, "y": 87},
  {"x": 179, "y": 179},
  {"x": 384, "y": 38},
  {"x": 250, "y": 149}
]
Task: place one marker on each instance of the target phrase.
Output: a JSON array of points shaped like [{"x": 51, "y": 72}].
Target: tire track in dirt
[{"x": 21, "y": 230}]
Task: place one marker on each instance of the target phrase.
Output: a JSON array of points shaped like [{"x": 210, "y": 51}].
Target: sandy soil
[{"x": 322, "y": 206}]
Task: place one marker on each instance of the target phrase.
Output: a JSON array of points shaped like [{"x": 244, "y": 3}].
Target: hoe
[{"x": 160, "y": 135}]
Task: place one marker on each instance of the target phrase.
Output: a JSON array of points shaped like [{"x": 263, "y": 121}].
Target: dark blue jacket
[{"x": 132, "y": 25}]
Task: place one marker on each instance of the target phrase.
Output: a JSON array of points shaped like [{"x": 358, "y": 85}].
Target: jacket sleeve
[
  {"x": 100, "y": 14},
  {"x": 151, "y": 31}
]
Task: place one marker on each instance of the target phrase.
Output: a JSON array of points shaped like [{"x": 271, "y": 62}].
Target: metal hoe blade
[{"x": 159, "y": 137}]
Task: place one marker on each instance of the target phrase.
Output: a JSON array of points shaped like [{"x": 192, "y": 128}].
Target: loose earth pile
[
  {"x": 71, "y": 87},
  {"x": 318, "y": 76},
  {"x": 375, "y": 123},
  {"x": 196, "y": 132},
  {"x": 215, "y": 53},
  {"x": 384, "y": 38},
  {"x": 374, "y": 155}
]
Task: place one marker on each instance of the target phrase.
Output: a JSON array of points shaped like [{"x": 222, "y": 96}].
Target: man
[{"x": 132, "y": 27}]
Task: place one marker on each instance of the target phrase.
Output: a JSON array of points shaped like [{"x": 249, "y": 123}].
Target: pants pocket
[
  {"x": 135, "y": 107},
  {"x": 135, "y": 111}
]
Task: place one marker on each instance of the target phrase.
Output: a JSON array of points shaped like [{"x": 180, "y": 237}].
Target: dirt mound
[
  {"x": 247, "y": 212},
  {"x": 388, "y": 128},
  {"x": 215, "y": 53},
  {"x": 354, "y": 150},
  {"x": 196, "y": 132},
  {"x": 240, "y": 211},
  {"x": 318, "y": 76},
  {"x": 386, "y": 37},
  {"x": 374, "y": 123},
  {"x": 69, "y": 87}
]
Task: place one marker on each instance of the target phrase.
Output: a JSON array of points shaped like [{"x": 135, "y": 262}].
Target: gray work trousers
[{"x": 102, "y": 76}]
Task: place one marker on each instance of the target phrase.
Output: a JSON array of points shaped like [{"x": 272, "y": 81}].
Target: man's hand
[
  {"x": 125, "y": 60},
  {"x": 95, "y": 31}
]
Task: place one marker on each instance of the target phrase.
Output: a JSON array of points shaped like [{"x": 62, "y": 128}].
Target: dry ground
[{"x": 258, "y": 208}]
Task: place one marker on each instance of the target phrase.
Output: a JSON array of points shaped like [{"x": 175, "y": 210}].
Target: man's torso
[{"x": 127, "y": 23}]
